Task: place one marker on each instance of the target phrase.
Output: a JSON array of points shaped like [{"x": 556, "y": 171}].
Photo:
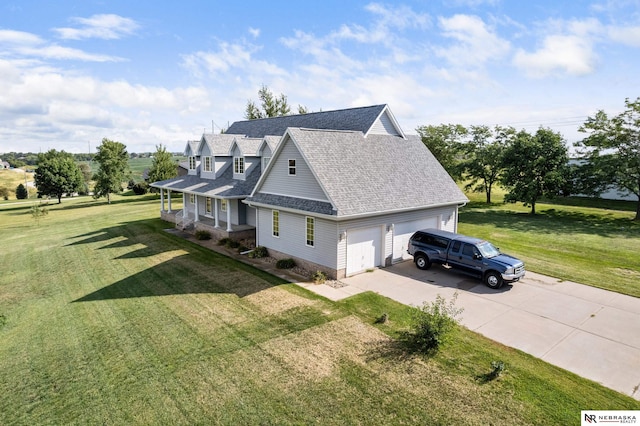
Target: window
[
  {"x": 223, "y": 205},
  {"x": 292, "y": 167},
  {"x": 265, "y": 162},
  {"x": 456, "y": 246},
  {"x": 238, "y": 165},
  {"x": 207, "y": 164},
  {"x": 192, "y": 198},
  {"x": 310, "y": 231},
  {"x": 275, "y": 223},
  {"x": 209, "y": 210},
  {"x": 192, "y": 163}
]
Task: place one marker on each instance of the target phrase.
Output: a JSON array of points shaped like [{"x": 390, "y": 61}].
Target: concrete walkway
[{"x": 592, "y": 332}]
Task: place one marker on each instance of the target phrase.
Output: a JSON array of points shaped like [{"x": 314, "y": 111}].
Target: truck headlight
[{"x": 509, "y": 271}]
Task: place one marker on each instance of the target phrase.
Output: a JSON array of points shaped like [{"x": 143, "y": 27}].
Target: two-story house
[{"x": 339, "y": 191}]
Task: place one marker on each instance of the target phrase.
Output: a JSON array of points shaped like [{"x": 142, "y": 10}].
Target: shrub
[
  {"x": 232, "y": 244},
  {"x": 223, "y": 241},
  {"x": 140, "y": 188},
  {"x": 319, "y": 277},
  {"x": 203, "y": 235},
  {"x": 497, "y": 368},
  {"x": 259, "y": 252},
  {"x": 432, "y": 324},
  {"x": 285, "y": 263},
  {"x": 21, "y": 192}
]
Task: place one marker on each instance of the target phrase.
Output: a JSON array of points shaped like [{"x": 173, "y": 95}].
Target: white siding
[
  {"x": 292, "y": 239},
  {"x": 251, "y": 216},
  {"x": 384, "y": 126},
  {"x": 302, "y": 185}
]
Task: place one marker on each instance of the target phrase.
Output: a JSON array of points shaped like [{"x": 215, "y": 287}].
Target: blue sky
[{"x": 148, "y": 72}]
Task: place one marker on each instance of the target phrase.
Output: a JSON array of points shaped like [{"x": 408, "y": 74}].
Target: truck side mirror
[{"x": 477, "y": 256}]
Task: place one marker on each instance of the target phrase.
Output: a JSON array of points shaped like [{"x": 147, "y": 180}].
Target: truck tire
[
  {"x": 422, "y": 261},
  {"x": 493, "y": 280}
]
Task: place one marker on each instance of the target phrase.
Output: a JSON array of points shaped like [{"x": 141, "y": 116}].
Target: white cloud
[
  {"x": 476, "y": 42},
  {"x": 567, "y": 48},
  {"x": 107, "y": 27},
  {"x": 628, "y": 35},
  {"x": 255, "y": 32}
]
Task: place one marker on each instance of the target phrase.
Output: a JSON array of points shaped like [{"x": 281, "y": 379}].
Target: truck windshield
[{"x": 487, "y": 249}]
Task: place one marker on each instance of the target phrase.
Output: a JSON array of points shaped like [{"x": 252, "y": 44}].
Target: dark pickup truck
[{"x": 470, "y": 255}]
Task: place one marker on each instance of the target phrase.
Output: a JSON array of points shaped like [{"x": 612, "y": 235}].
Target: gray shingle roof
[
  {"x": 223, "y": 186},
  {"x": 219, "y": 144},
  {"x": 375, "y": 174},
  {"x": 357, "y": 119},
  {"x": 312, "y": 206}
]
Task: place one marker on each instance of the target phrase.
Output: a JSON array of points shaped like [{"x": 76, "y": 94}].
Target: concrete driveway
[{"x": 592, "y": 332}]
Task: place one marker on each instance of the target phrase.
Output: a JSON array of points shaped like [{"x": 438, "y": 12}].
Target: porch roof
[{"x": 224, "y": 186}]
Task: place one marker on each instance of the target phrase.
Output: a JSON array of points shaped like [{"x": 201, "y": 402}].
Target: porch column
[
  {"x": 215, "y": 213},
  {"x": 184, "y": 204},
  {"x": 197, "y": 216},
  {"x": 169, "y": 199},
  {"x": 229, "y": 216},
  {"x": 162, "y": 200}
]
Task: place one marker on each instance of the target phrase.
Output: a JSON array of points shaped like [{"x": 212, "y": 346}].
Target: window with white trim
[
  {"x": 275, "y": 223},
  {"x": 265, "y": 163},
  {"x": 310, "y": 231},
  {"x": 192, "y": 163},
  {"x": 207, "y": 164},
  {"x": 192, "y": 198},
  {"x": 223, "y": 205},
  {"x": 209, "y": 208},
  {"x": 238, "y": 165},
  {"x": 292, "y": 167}
]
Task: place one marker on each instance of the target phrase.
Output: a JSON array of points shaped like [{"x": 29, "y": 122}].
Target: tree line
[
  {"x": 59, "y": 173},
  {"x": 531, "y": 166}
]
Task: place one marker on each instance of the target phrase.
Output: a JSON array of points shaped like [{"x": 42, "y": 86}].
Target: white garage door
[
  {"x": 363, "y": 249},
  {"x": 403, "y": 231}
]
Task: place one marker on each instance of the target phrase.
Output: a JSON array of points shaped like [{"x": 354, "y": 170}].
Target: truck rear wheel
[
  {"x": 422, "y": 261},
  {"x": 493, "y": 280}
]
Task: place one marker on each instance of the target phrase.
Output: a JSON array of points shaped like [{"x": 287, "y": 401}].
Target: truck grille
[{"x": 519, "y": 269}]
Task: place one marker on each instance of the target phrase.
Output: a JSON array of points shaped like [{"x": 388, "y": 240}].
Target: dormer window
[
  {"x": 207, "y": 164},
  {"x": 192, "y": 163},
  {"x": 292, "y": 167},
  {"x": 238, "y": 165}
]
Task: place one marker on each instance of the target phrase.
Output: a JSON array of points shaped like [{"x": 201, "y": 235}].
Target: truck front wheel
[
  {"x": 422, "y": 261},
  {"x": 493, "y": 280}
]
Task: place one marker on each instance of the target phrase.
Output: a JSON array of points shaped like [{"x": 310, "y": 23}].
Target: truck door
[
  {"x": 470, "y": 259},
  {"x": 454, "y": 257}
]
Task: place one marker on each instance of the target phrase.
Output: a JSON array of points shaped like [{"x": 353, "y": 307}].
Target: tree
[
  {"x": 114, "y": 167},
  {"x": 445, "y": 143},
  {"x": 21, "y": 192},
  {"x": 57, "y": 174},
  {"x": 534, "y": 166},
  {"x": 270, "y": 106},
  {"x": 483, "y": 162},
  {"x": 162, "y": 167},
  {"x": 612, "y": 149}
]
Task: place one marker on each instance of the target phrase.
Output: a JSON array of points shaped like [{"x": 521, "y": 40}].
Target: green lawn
[
  {"x": 106, "y": 319},
  {"x": 573, "y": 239}
]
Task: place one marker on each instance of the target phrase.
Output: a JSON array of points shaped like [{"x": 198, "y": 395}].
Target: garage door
[
  {"x": 403, "y": 231},
  {"x": 363, "y": 249}
]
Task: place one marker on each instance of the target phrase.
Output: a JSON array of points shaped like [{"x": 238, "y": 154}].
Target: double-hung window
[
  {"x": 209, "y": 208},
  {"x": 192, "y": 198},
  {"x": 192, "y": 163},
  {"x": 310, "y": 231},
  {"x": 223, "y": 205},
  {"x": 207, "y": 164},
  {"x": 292, "y": 167},
  {"x": 238, "y": 165},
  {"x": 275, "y": 223}
]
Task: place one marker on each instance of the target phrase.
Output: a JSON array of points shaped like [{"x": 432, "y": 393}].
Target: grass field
[
  {"x": 574, "y": 239},
  {"x": 106, "y": 319},
  {"x": 10, "y": 179}
]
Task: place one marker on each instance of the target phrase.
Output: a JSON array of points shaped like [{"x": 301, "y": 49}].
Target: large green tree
[
  {"x": 445, "y": 143},
  {"x": 57, "y": 174},
  {"x": 482, "y": 161},
  {"x": 534, "y": 166},
  {"x": 163, "y": 166},
  {"x": 113, "y": 169},
  {"x": 270, "y": 106},
  {"x": 612, "y": 150}
]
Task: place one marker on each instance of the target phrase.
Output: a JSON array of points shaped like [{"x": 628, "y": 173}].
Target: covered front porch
[{"x": 223, "y": 230}]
